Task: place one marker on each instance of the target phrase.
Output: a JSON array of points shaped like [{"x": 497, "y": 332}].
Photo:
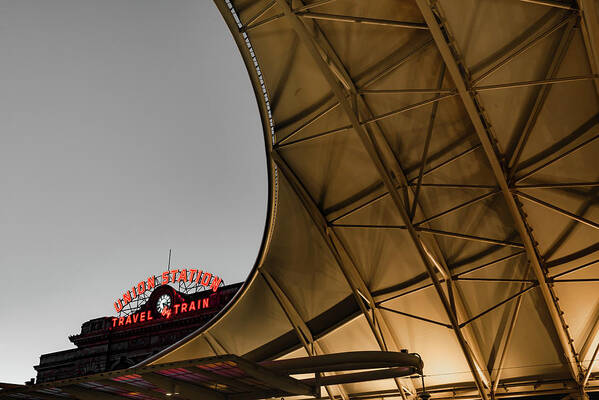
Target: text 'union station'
[{"x": 191, "y": 276}]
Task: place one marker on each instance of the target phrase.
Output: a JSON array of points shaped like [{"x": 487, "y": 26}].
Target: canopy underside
[{"x": 434, "y": 179}]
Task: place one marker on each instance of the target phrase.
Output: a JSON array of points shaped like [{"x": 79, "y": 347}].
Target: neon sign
[
  {"x": 191, "y": 276},
  {"x": 167, "y": 312}
]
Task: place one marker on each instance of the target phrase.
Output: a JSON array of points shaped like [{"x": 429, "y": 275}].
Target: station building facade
[{"x": 162, "y": 318}]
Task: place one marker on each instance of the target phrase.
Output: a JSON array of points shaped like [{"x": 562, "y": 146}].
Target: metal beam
[
  {"x": 442, "y": 39},
  {"x": 262, "y": 22},
  {"x": 519, "y": 49},
  {"x": 427, "y": 141},
  {"x": 456, "y": 235},
  {"x": 407, "y": 91},
  {"x": 317, "y": 136},
  {"x": 449, "y": 161},
  {"x": 574, "y": 269},
  {"x": 312, "y": 5},
  {"x": 290, "y": 311},
  {"x": 590, "y": 367},
  {"x": 395, "y": 296},
  {"x": 496, "y": 280},
  {"x": 303, "y": 332},
  {"x": 591, "y": 337},
  {"x": 558, "y": 210},
  {"x": 456, "y": 208},
  {"x": 379, "y": 192},
  {"x": 498, "y": 368},
  {"x": 364, "y": 226},
  {"x": 550, "y": 3},
  {"x": 547, "y": 163},
  {"x": 488, "y": 310},
  {"x": 376, "y": 156},
  {"x": 538, "y": 82},
  {"x": 457, "y": 186},
  {"x": 310, "y": 121},
  {"x": 558, "y": 185},
  {"x": 362, "y": 202},
  {"x": 392, "y": 67},
  {"x": 362, "y": 20},
  {"x": 541, "y": 96},
  {"x": 432, "y": 321},
  {"x": 488, "y": 264},
  {"x": 407, "y": 108},
  {"x": 260, "y": 13},
  {"x": 217, "y": 347}
]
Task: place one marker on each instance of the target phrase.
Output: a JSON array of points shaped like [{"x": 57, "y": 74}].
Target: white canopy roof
[{"x": 434, "y": 176}]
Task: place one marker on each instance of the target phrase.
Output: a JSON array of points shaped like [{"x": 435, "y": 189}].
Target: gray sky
[{"x": 127, "y": 127}]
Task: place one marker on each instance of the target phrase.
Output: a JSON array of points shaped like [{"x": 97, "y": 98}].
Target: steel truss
[
  {"x": 375, "y": 153},
  {"x": 350, "y": 95}
]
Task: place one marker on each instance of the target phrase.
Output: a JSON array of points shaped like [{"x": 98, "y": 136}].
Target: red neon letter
[
  {"x": 206, "y": 278},
  {"x": 151, "y": 282},
  {"x": 183, "y": 275},
  {"x": 199, "y": 275},
  {"x": 118, "y": 306},
  {"x": 141, "y": 287},
  {"x": 128, "y": 320},
  {"x": 184, "y": 307},
  {"x": 121, "y": 321},
  {"x": 135, "y": 318},
  {"x": 126, "y": 298},
  {"x": 192, "y": 306},
  {"x": 192, "y": 272},
  {"x": 165, "y": 277},
  {"x": 114, "y": 322},
  {"x": 205, "y": 303},
  {"x": 133, "y": 293},
  {"x": 174, "y": 273},
  {"x": 215, "y": 283},
  {"x": 142, "y": 317},
  {"x": 149, "y": 315},
  {"x": 177, "y": 308}
]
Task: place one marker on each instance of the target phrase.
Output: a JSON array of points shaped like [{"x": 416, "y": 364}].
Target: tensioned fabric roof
[{"x": 434, "y": 174}]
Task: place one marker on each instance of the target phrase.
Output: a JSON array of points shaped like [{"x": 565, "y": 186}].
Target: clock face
[{"x": 163, "y": 302}]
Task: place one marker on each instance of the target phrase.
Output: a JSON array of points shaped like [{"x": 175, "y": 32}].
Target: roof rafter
[
  {"x": 362, "y": 20},
  {"x": 558, "y": 210},
  {"x": 520, "y": 47},
  {"x": 550, "y": 3},
  {"x": 497, "y": 366},
  {"x": 541, "y": 96}
]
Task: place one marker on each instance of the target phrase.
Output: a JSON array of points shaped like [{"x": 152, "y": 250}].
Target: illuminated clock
[{"x": 163, "y": 302}]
